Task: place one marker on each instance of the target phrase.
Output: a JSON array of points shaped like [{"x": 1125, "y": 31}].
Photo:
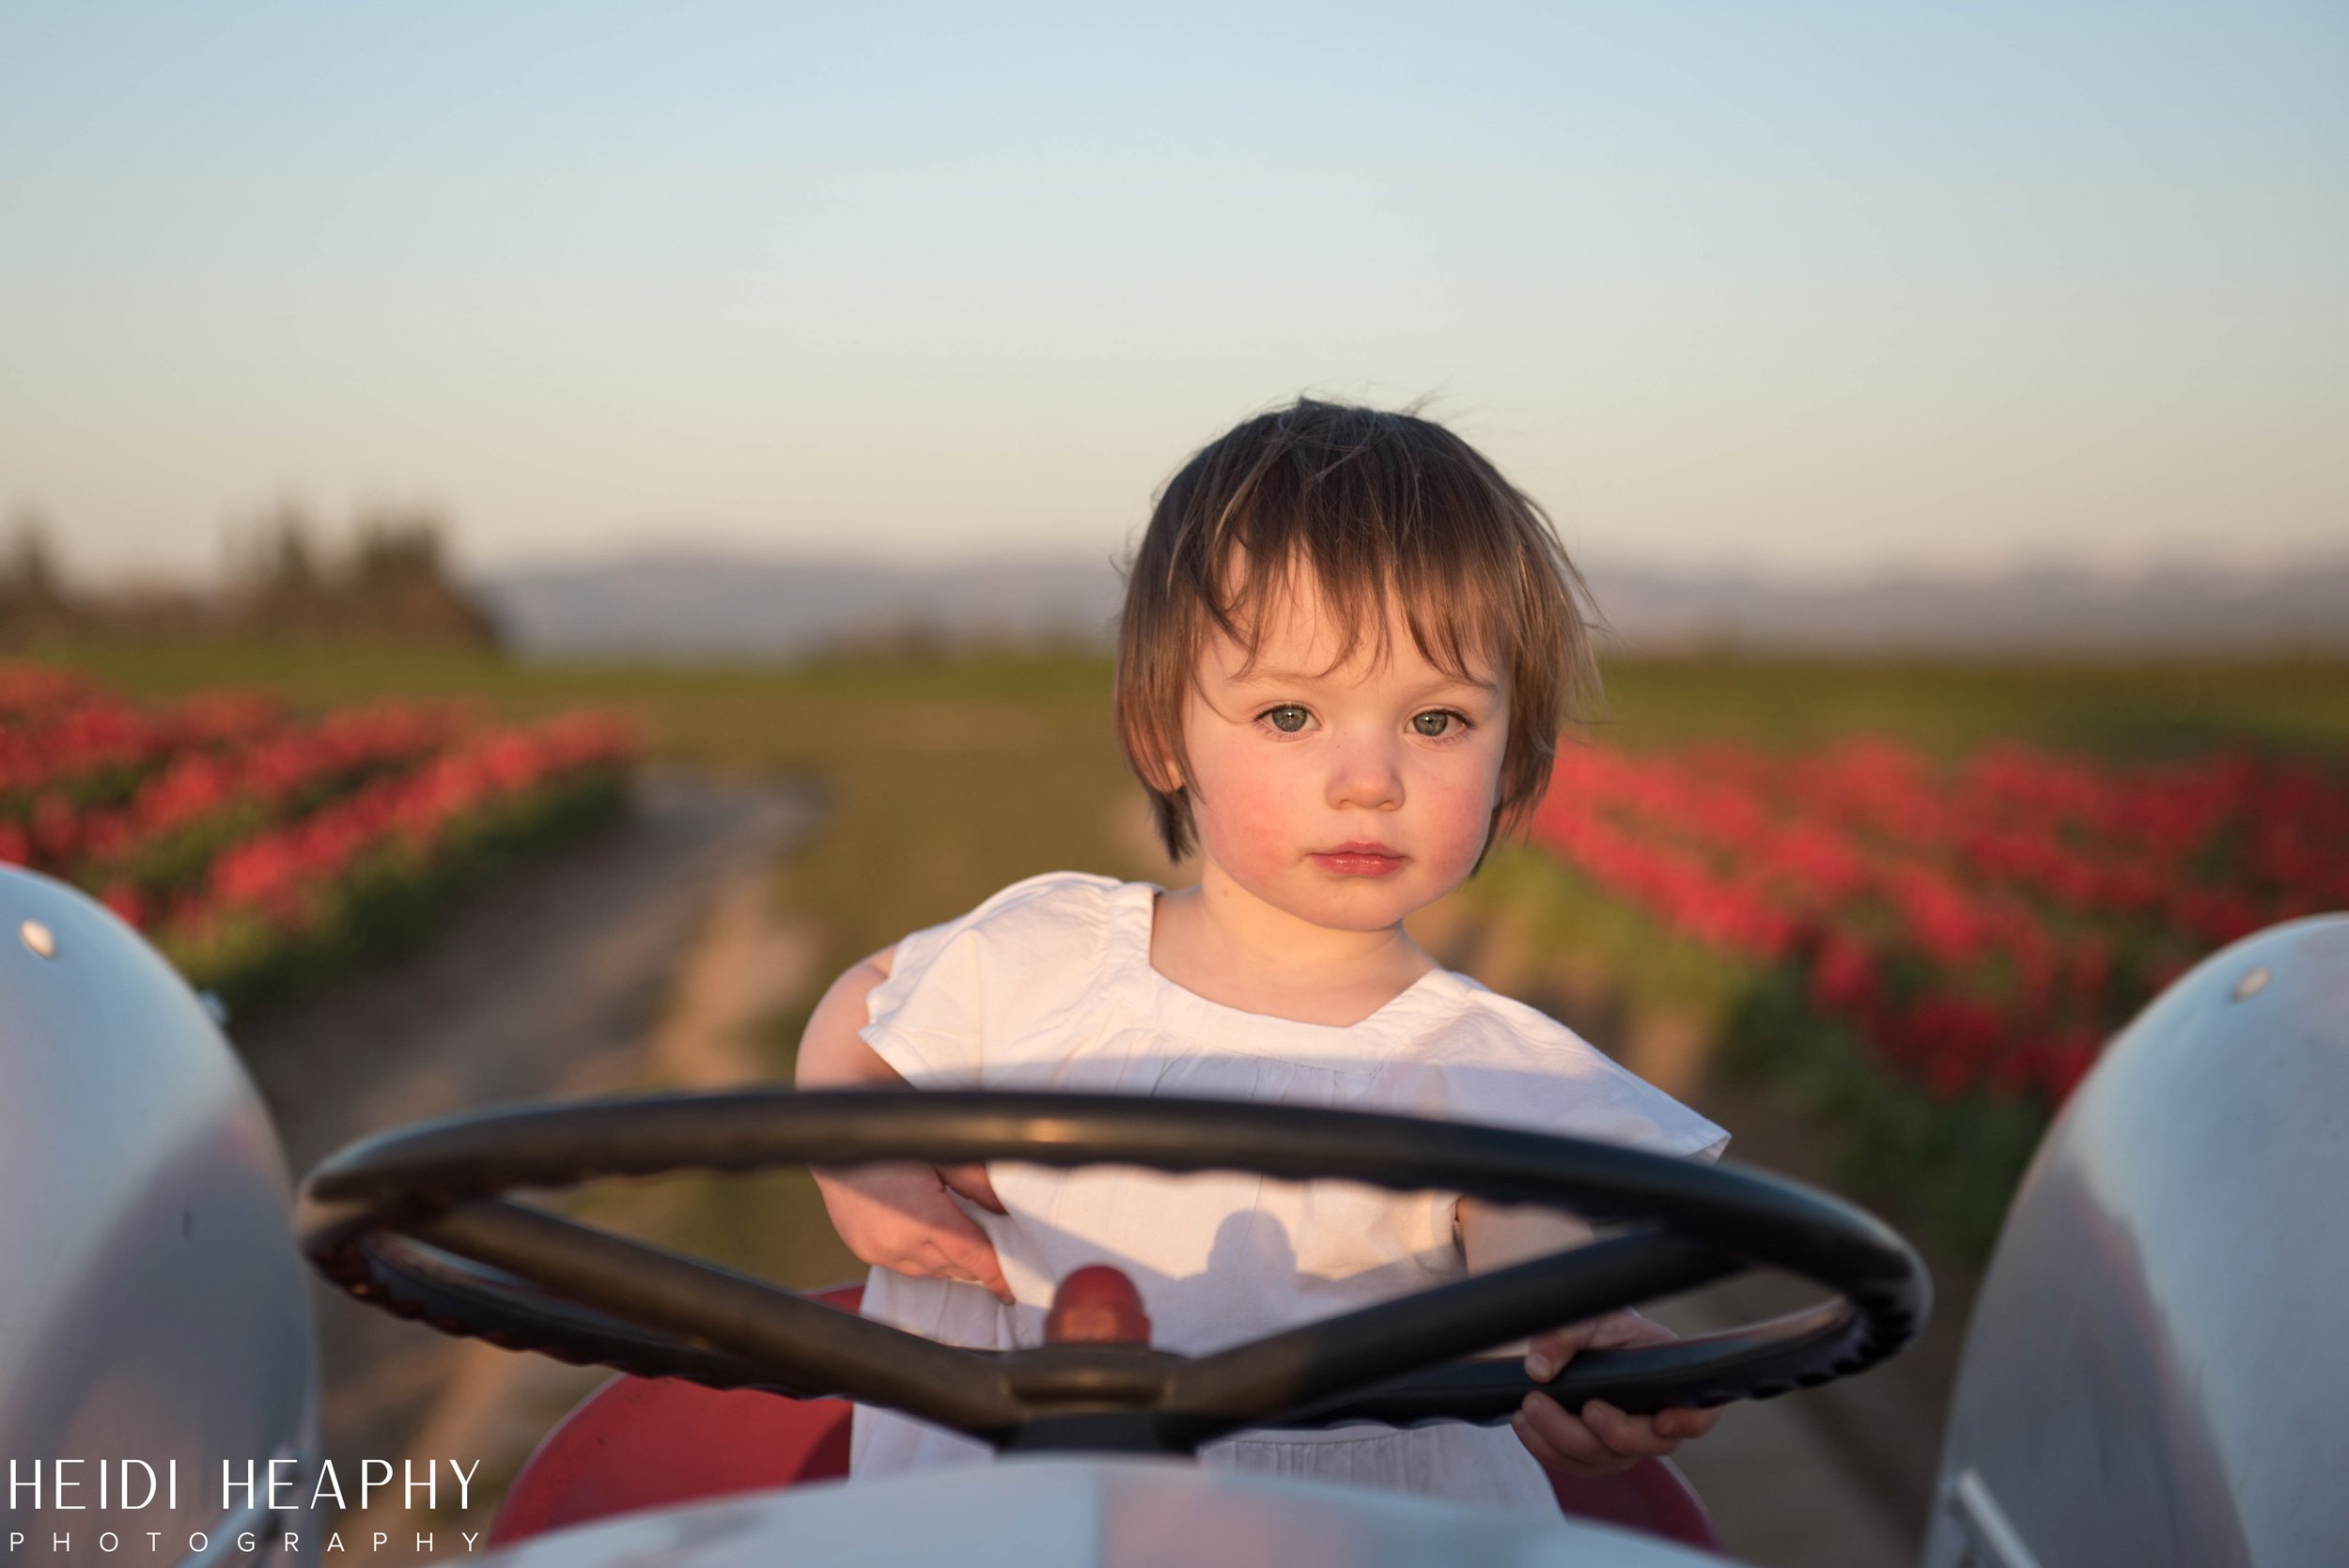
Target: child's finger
[
  {"x": 934, "y": 1260},
  {"x": 1545, "y": 1452},
  {"x": 971, "y": 1181},
  {"x": 1633, "y": 1436},
  {"x": 1682, "y": 1422},
  {"x": 1622, "y": 1329},
  {"x": 975, "y": 1261},
  {"x": 1569, "y": 1437},
  {"x": 1546, "y": 1354}
]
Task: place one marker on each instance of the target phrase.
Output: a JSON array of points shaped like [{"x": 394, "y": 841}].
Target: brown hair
[{"x": 1372, "y": 505}]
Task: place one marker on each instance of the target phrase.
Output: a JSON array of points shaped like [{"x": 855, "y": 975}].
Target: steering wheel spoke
[{"x": 1310, "y": 1366}]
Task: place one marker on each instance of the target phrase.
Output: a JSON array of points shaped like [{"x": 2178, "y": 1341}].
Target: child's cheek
[
  {"x": 1450, "y": 826},
  {"x": 1256, "y": 829}
]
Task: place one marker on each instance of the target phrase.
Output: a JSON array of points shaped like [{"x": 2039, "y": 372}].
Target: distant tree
[
  {"x": 32, "y": 596},
  {"x": 389, "y": 583},
  {"x": 28, "y": 571},
  {"x": 276, "y": 554},
  {"x": 401, "y": 582},
  {"x": 392, "y": 546}
]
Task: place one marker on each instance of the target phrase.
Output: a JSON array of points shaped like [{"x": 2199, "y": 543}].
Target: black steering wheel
[{"x": 411, "y": 1221}]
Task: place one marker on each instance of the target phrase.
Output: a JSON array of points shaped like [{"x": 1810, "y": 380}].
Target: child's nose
[{"x": 1368, "y": 774}]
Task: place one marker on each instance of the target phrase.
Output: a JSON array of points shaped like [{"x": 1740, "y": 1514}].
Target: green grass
[
  {"x": 741, "y": 715},
  {"x": 2108, "y": 707},
  {"x": 2116, "y": 710}
]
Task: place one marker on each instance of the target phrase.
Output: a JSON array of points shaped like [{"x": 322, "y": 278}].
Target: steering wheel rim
[{"x": 414, "y": 1221}]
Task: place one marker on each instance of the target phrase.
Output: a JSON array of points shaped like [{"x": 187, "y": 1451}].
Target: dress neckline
[{"x": 1406, "y": 1015}]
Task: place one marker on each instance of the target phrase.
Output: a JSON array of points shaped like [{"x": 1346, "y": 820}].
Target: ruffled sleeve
[
  {"x": 959, "y": 992},
  {"x": 1503, "y": 1064}
]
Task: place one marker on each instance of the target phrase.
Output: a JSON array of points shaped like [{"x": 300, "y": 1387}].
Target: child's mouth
[{"x": 1356, "y": 863}]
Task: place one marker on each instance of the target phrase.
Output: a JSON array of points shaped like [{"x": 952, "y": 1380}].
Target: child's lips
[{"x": 1348, "y": 860}]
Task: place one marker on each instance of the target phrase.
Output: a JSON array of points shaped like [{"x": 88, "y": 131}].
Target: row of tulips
[
  {"x": 249, "y": 845},
  {"x": 1982, "y": 926}
]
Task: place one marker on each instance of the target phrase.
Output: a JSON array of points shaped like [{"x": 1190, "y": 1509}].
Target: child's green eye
[
  {"x": 1285, "y": 707},
  {"x": 1459, "y": 722}
]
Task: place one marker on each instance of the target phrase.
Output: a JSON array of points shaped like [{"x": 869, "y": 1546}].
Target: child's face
[{"x": 1286, "y": 766}]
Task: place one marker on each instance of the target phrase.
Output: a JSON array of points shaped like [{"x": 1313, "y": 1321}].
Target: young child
[{"x": 1348, "y": 648}]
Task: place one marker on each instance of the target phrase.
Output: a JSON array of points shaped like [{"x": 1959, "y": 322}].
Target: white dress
[{"x": 1048, "y": 985}]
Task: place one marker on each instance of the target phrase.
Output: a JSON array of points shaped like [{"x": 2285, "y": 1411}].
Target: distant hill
[
  {"x": 2173, "y": 608},
  {"x": 690, "y": 605},
  {"x": 697, "y": 604}
]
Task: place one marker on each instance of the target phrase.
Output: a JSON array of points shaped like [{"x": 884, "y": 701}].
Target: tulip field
[
  {"x": 1986, "y": 923},
  {"x": 253, "y": 847},
  {"x": 1973, "y": 928}
]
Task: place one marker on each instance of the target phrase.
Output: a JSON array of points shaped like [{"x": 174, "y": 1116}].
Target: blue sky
[{"x": 1817, "y": 290}]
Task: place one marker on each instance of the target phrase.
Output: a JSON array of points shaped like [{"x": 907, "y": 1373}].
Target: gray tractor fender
[
  {"x": 2158, "y": 1363},
  {"x": 154, "y": 1314}
]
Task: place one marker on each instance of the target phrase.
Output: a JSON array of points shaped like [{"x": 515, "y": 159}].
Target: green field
[
  {"x": 944, "y": 779},
  {"x": 736, "y": 716},
  {"x": 947, "y": 778}
]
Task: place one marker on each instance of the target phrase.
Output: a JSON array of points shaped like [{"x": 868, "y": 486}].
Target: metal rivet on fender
[
  {"x": 39, "y": 938},
  {"x": 2251, "y": 984}
]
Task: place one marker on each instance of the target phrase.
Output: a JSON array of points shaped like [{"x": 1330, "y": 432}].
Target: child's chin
[{"x": 1368, "y": 904}]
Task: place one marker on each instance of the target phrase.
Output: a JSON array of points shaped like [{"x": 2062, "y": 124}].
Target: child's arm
[
  {"x": 897, "y": 1215},
  {"x": 1603, "y": 1439}
]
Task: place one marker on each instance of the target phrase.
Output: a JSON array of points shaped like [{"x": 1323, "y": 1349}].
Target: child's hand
[
  {"x": 1603, "y": 1439},
  {"x": 899, "y": 1216}
]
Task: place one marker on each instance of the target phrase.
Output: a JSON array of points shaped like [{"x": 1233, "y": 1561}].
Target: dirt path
[{"x": 636, "y": 960}]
